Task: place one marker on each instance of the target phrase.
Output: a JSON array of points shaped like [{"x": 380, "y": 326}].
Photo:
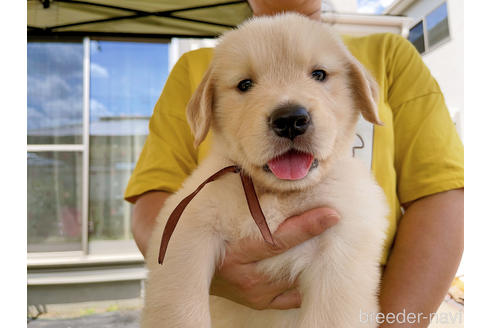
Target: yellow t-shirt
[{"x": 416, "y": 153}]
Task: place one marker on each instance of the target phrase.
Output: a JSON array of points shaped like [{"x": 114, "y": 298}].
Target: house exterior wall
[
  {"x": 446, "y": 60},
  {"x": 344, "y": 6},
  {"x": 420, "y": 8}
]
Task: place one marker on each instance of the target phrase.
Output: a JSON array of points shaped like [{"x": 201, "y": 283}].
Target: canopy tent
[{"x": 134, "y": 18}]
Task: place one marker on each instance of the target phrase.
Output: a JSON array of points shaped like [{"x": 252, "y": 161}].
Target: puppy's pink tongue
[{"x": 292, "y": 165}]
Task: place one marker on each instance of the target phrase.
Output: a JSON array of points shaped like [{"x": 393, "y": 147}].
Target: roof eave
[{"x": 398, "y": 7}]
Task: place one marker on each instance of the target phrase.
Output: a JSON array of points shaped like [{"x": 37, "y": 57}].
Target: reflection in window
[
  {"x": 54, "y": 93},
  {"x": 416, "y": 36},
  {"x": 126, "y": 81},
  {"x": 437, "y": 25},
  {"x": 54, "y": 194},
  {"x": 435, "y": 32}
]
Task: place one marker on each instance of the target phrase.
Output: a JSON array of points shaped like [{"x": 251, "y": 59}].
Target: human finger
[
  {"x": 290, "y": 299},
  {"x": 292, "y": 232}
]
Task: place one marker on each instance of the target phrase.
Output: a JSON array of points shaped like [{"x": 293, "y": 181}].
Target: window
[
  {"x": 431, "y": 30},
  {"x": 89, "y": 103},
  {"x": 437, "y": 25},
  {"x": 416, "y": 36},
  {"x": 54, "y": 137},
  {"x": 54, "y": 201},
  {"x": 126, "y": 81},
  {"x": 54, "y": 93}
]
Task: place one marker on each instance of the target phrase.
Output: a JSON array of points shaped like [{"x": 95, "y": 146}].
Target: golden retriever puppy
[{"x": 282, "y": 97}]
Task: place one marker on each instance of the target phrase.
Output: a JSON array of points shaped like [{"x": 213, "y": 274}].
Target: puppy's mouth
[{"x": 292, "y": 165}]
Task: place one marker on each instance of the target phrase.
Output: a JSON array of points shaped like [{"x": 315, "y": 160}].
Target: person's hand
[{"x": 237, "y": 278}]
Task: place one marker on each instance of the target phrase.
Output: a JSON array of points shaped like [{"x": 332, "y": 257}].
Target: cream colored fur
[{"x": 339, "y": 270}]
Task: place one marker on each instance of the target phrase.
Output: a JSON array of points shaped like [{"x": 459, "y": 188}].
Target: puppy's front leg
[
  {"x": 177, "y": 293},
  {"x": 339, "y": 292}
]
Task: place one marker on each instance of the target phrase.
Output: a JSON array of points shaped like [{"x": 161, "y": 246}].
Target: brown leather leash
[{"x": 251, "y": 198}]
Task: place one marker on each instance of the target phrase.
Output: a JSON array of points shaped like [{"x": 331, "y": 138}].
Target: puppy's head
[{"x": 283, "y": 96}]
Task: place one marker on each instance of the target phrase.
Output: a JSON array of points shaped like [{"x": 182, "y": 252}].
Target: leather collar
[{"x": 251, "y": 198}]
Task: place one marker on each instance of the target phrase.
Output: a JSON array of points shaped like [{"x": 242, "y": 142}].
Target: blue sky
[
  {"x": 54, "y": 84},
  {"x": 436, "y": 16},
  {"x": 126, "y": 78},
  {"x": 373, "y": 6}
]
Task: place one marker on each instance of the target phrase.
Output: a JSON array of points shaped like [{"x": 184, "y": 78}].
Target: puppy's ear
[
  {"x": 366, "y": 91},
  {"x": 199, "y": 109}
]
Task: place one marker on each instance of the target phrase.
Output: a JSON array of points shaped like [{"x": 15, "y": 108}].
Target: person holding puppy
[{"x": 417, "y": 158}]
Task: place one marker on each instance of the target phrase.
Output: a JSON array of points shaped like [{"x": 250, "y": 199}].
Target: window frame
[
  {"x": 423, "y": 33},
  {"x": 86, "y": 254},
  {"x": 81, "y": 148},
  {"x": 423, "y": 19}
]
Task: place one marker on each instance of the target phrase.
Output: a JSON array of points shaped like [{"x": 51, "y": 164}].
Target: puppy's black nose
[{"x": 290, "y": 121}]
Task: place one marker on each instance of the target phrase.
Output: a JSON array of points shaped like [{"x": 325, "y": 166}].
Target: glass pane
[
  {"x": 126, "y": 81},
  {"x": 54, "y": 201},
  {"x": 437, "y": 24},
  {"x": 54, "y": 93},
  {"x": 416, "y": 36}
]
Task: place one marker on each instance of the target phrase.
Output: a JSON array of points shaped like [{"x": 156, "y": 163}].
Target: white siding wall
[
  {"x": 180, "y": 46},
  {"x": 446, "y": 61},
  {"x": 344, "y": 6}
]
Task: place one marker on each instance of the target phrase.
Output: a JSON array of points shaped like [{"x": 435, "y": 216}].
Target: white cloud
[
  {"x": 373, "y": 6},
  {"x": 98, "y": 71},
  {"x": 368, "y": 7},
  {"x": 48, "y": 86},
  {"x": 69, "y": 108},
  {"x": 386, "y": 3},
  {"x": 34, "y": 118},
  {"x": 56, "y": 115},
  {"x": 98, "y": 109}
]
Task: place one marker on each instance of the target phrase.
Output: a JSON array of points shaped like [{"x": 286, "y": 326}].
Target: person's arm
[
  {"x": 145, "y": 211},
  {"x": 429, "y": 169},
  {"x": 426, "y": 254}
]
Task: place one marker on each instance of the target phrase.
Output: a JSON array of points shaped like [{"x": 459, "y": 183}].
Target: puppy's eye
[
  {"x": 245, "y": 85},
  {"x": 319, "y": 75}
]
